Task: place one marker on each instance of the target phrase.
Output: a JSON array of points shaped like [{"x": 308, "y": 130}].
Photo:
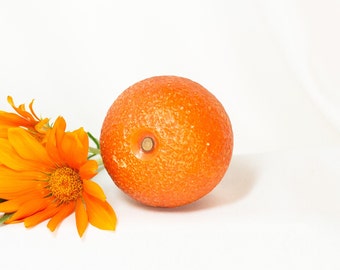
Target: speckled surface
[{"x": 193, "y": 141}]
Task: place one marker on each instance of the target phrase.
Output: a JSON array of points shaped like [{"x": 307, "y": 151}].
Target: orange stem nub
[{"x": 147, "y": 144}]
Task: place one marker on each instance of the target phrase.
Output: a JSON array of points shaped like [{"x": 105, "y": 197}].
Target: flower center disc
[{"x": 65, "y": 184}]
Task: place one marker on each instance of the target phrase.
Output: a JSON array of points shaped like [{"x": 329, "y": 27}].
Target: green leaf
[
  {"x": 2, "y": 200},
  {"x": 5, "y": 217}
]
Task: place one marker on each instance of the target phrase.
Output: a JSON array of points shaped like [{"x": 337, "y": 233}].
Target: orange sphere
[{"x": 166, "y": 141}]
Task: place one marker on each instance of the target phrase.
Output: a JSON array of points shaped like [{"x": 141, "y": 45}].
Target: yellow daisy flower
[{"x": 51, "y": 180}]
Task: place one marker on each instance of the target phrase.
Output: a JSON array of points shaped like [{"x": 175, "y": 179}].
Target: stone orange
[{"x": 166, "y": 141}]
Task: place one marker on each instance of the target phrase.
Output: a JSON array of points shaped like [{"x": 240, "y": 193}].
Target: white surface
[
  {"x": 272, "y": 211},
  {"x": 273, "y": 64}
]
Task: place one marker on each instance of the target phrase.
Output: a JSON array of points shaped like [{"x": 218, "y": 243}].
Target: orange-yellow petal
[
  {"x": 27, "y": 146},
  {"x": 17, "y": 188},
  {"x": 31, "y": 109},
  {"x": 41, "y": 216},
  {"x": 64, "y": 211},
  {"x": 94, "y": 189},
  {"x": 53, "y": 140},
  {"x": 3, "y": 131},
  {"x": 12, "y": 120},
  {"x": 82, "y": 219},
  {"x": 42, "y": 126},
  {"x": 16, "y": 185},
  {"x": 29, "y": 208},
  {"x": 101, "y": 214},
  {"x": 89, "y": 169},
  {"x": 21, "y": 110},
  {"x": 11, "y": 205},
  {"x": 8, "y": 174},
  {"x": 74, "y": 146},
  {"x": 10, "y": 158}
]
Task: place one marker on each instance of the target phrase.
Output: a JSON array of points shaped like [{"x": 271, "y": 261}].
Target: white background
[{"x": 274, "y": 65}]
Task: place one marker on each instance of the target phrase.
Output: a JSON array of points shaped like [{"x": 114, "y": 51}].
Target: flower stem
[
  {"x": 4, "y": 217},
  {"x": 94, "y": 139},
  {"x": 93, "y": 151},
  {"x": 100, "y": 164}
]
